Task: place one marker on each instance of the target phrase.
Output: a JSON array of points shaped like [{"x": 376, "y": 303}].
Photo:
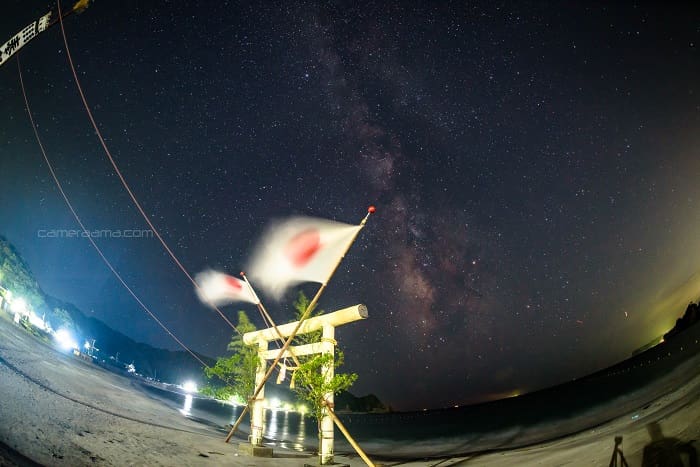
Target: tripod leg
[
  {"x": 613, "y": 459},
  {"x": 624, "y": 461}
]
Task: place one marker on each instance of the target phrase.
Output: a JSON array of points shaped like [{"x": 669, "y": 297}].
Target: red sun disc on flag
[
  {"x": 233, "y": 283},
  {"x": 303, "y": 246}
]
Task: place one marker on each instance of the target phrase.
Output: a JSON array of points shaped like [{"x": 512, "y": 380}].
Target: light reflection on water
[
  {"x": 187, "y": 407},
  {"x": 282, "y": 428},
  {"x": 279, "y": 424},
  {"x": 299, "y": 446},
  {"x": 497, "y": 425},
  {"x": 285, "y": 427},
  {"x": 271, "y": 424}
]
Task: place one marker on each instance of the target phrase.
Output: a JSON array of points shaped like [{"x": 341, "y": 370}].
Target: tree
[
  {"x": 313, "y": 384},
  {"x": 300, "y": 306},
  {"x": 311, "y": 377},
  {"x": 235, "y": 374}
]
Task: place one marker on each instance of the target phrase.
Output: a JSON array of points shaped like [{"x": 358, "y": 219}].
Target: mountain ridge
[
  {"x": 171, "y": 365},
  {"x": 117, "y": 349}
]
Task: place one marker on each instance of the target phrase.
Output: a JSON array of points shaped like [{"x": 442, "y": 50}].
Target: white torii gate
[{"x": 327, "y": 323}]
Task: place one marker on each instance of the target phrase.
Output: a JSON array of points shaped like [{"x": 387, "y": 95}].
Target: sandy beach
[{"x": 59, "y": 410}]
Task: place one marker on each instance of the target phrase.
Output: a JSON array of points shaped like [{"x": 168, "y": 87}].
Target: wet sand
[{"x": 58, "y": 410}]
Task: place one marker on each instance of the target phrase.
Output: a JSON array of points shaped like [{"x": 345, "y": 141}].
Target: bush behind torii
[{"x": 310, "y": 378}]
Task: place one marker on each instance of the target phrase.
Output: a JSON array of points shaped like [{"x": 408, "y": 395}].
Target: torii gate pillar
[
  {"x": 258, "y": 409},
  {"x": 327, "y": 323},
  {"x": 327, "y": 348}
]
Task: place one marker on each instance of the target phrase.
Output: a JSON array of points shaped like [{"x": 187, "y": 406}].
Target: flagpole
[
  {"x": 345, "y": 432},
  {"x": 267, "y": 316},
  {"x": 306, "y": 314},
  {"x": 262, "y": 309},
  {"x": 330, "y": 410}
]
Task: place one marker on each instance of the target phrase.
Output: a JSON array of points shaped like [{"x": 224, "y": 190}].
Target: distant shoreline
[{"x": 63, "y": 411}]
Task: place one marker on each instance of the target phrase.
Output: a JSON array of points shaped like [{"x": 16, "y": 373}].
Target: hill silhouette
[
  {"x": 118, "y": 350},
  {"x": 689, "y": 318},
  {"x": 167, "y": 365}
]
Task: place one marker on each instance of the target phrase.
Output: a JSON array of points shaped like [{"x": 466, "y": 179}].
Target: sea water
[{"x": 503, "y": 424}]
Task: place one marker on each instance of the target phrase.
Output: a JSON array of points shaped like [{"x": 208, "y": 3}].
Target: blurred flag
[
  {"x": 300, "y": 249},
  {"x": 217, "y": 288}
]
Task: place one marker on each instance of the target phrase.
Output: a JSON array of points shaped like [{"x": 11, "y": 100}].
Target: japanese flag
[
  {"x": 300, "y": 249},
  {"x": 216, "y": 288}
]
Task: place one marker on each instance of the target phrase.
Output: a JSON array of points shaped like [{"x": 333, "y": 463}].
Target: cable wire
[
  {"x": 85, "y": 230},
  {"x": 119, "y": 174}
]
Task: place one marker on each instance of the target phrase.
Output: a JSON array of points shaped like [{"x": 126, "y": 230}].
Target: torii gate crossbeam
[{"x": 327, "y": 323}]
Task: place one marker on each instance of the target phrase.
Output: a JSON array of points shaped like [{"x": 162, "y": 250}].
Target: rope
[
  {"x": 82, "y": 226},
  {"x": 119, "y": 173}
]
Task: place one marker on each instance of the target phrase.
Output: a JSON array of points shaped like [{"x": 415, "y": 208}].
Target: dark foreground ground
[{"x": 58, "y": 410}]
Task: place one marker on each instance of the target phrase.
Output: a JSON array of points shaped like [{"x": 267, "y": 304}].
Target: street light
[
  {"x": 65, "y": 340},
  {"x": 36, "y": 321},
  {"x": 274, "y": 404},
  {"x": 19, "y": 305},
  {"x": 189, "y": 386}
]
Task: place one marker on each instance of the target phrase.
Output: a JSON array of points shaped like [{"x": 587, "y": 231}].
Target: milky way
[{"x": 534, "y": 170}]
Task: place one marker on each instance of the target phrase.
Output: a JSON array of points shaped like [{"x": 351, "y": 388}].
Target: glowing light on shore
[
  {"x": 189, "y": 387},
  {"x": 274, "y": 404},
  {"x": 65, "y": 340},
  {"x": 19, "y": 305},
  {"x": 36, "y": 321}
]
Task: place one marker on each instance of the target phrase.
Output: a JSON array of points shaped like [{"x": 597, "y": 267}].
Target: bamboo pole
[
  {"x": 277, "y": 359},
  {"x": 329, "y": 409},
  {"x": 267, "y": 316},
  {"x": 350, "y": 439},
  {"x": 291, "y": 337},
  {"x": 263, "y": 310}
]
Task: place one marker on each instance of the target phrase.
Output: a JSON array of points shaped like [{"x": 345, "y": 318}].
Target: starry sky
[{"x": 535, "y": 168}]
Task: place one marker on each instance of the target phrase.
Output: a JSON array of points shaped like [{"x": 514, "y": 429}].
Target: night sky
[{"x": 535, "y": 167}]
